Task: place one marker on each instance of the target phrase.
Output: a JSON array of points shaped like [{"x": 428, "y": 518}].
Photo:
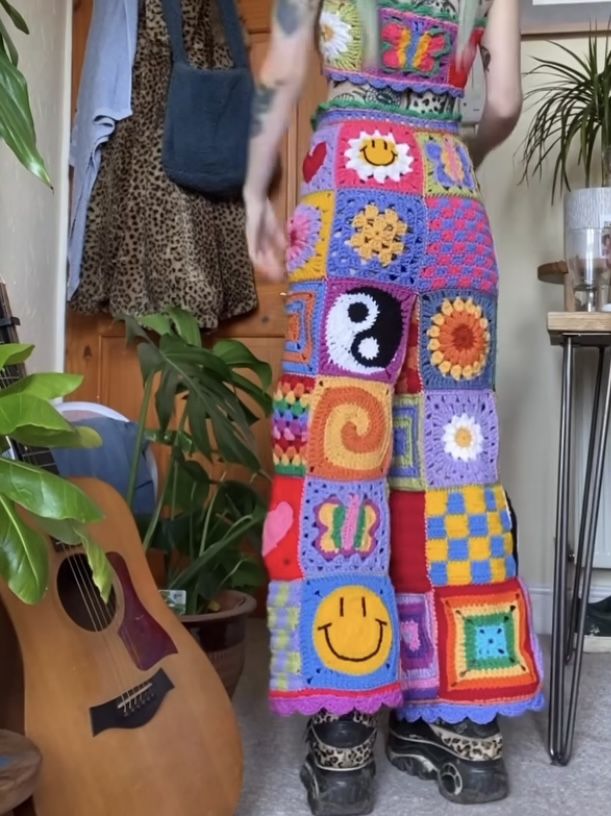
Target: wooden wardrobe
[{"x": 95, "y": 346}]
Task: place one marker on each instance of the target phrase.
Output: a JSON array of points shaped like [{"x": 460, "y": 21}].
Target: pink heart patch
[{"x": 277, "y": 524}]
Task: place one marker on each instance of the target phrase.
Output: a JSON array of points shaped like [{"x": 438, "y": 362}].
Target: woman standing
[{"x": 389, "y": 540}]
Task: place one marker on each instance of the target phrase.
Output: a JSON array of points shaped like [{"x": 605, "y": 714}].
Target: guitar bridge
[{"x": 134, "y": 708}]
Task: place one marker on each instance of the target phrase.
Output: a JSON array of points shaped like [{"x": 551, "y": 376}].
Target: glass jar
[{"x": 588, "y": 258}]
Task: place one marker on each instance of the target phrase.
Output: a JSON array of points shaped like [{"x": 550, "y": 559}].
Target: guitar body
[{"x": 131, "y": 720}]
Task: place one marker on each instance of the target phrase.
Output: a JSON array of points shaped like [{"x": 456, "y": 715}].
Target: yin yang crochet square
[
  {"x": 309, "y": 230},
  {"x": 419, "y": 659},
  {"x": 291, "y": 406},
  {"x": 284, "y": 617},
  {"x": 345, "y": 528},
  {"x": 448, "y": 167},
  {"x": 489, "y": 653},
  {"x": 349, "y": 633},
  {"x": 383, "y": 155},
  {"x": 461, "y": 438},
  {"x": 364, "y": 329},
  {"x": 460, "y": 251},
  {"x": 377, "y": 236},
  {"x": 469, "y": 536},
  {"x": 319, "y": 163},
  {"x": 303, "y": 307},
  {"x": 406, "y": 471},
  {"x": 457, "y": 340}
]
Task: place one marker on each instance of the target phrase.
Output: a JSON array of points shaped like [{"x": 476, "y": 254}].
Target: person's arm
[
  {"x": 500, "y": 51},
  {"x": 279, "y": 86}
]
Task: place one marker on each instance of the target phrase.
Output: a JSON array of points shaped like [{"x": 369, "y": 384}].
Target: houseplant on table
[{"x": 207, "y": 525}]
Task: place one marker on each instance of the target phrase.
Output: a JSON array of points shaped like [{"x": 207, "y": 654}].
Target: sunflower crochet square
[
  {"x": 291, "y": 405},
  {"x": 350, "y": 433},
  {"x": 364, "y": 329},
  {"x": 457, "y": 340},
  {"x": 409, "y": 380},
  {"x": 406, "y": 467},
  {"x": 486, "y": 646},
  {"x": 345, "y": 528},
  {"x": 349, "y": 633},
  {"x": 460, "y": 251},
  {"x": 282, "y": 529},
  {"x": 283, "y": 618},
  {"x": 416, "y": 47},
  {"x": 419, "y": 659},
  {"x": 319, "y": 164},
  {"x": 448, "y": 167},
  {"x": 384, "y": 155},
  {"x": 469, "y": 536},
  {"x": 408, "y": 566},
  {"x": 461, "y": 438},
  {"x": 377, "y": 236},
  {"x": 309, "y": 231},
  {"x": 303, "y": 307}
]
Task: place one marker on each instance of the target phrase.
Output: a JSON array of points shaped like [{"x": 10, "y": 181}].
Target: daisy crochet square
[
  {"x": 364, "y": 329},
  {"x": 341, "y": 41},
  {"x": 350, "y": 433},
  {"x": 416, "y": 47},
  {"x": 460, "y": 251},
  {"x": 377, "y": 236},
  {"x": 319, "y": 164},
  {"x": 345, "y": 528},
  {"x": 309, "y": 231},
  {"x": 291, "y": 406},
  {"x": 303, "y": 306},
  {"x": 409, "y": 380},
  {"x": 486, "y": 647},
  {"x": 406, "y": 467},
  {"x": 282, "y": 529},
  {"x": 349, "y": 633},
  {"x": 408, "y": 567},
  {"x": 419, "y": 660},
  {"x": 458, "y": 340},
  {"x": 283, "y": 617},
  {"x": 461, "y": 438},
  {"x": 469, "y": 536},
  {"x": 448, "y": 167},
  {"x": 374, "y": 154}
]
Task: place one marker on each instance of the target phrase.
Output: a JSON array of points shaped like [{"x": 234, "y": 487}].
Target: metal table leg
[{"x": 565, "y": 644}]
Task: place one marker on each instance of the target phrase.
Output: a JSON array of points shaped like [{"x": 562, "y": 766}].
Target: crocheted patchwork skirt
[{"x": 389, "y": 538}]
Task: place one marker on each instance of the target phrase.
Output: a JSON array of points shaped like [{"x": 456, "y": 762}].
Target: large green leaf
[
  {"x": 13, "y": 353},
  {"x": 186, "y": 326},
  {"x": 16, "y": 123},
  {"x": 44, "y": 493},
  {"x": 24, "y": 411},
  {"x": 237, "y": 355},
  {"x": 46, "y": 386},
  {"x": 24, "y": 555},
  {"x": 159, "y": 323}
]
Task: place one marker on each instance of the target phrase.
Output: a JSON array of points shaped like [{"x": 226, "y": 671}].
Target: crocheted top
[{"x": 417, "y": 66}]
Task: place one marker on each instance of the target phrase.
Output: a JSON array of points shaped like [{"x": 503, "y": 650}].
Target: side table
[{"x": 573, "y": 330}]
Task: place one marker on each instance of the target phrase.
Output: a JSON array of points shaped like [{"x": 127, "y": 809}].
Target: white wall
[{"x": 33, "y": 220}]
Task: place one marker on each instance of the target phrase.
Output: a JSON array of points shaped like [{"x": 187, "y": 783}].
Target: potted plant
[{"x": 206, "y": 525}]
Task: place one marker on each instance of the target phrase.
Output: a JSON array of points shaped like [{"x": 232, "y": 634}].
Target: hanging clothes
[
  {"x": 104, "y": 99},
  {"x": 151, "y": 244}
]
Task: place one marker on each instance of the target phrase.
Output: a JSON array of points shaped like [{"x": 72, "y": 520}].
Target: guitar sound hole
[{"x": 81, "y": 598}]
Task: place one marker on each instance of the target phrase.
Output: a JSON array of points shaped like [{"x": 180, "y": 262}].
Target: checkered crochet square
[
  {"x": 378, "y": 236},
  {"x": 319, "y": 164},
  {"x": 408, "y": 566},
  {"x": 461, "y": 438},
  {"x": 364, "y": 329},
  {"x": 488, "y": 651},
  {"x": 309, "y": 231},
  {"x": 291, "y": 408},
  {"x": 303, "y": 306},
  {"x": 382, "y": 155},
  {"x": 457, "y": 340},
  {"x": 350, "y": 433},
  {"x": 283, "y": 617},
  {"x": 282, "y": 531},
  {"x": 468, "y": 536},
  {"x": 448, "y": 167},
  {"x": 406, "y": 467},
  {"x": 460, "y": 251},
  {"x": 345, "y": 528},
  {"x": 419, "y": 659}
]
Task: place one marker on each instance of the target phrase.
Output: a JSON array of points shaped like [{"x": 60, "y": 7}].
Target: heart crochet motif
[{"x": 314, "y": 161}]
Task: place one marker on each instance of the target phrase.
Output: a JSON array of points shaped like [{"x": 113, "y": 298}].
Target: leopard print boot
[
  {"x": 465, "y": 759},
  {"x": 338, "y": 772}
]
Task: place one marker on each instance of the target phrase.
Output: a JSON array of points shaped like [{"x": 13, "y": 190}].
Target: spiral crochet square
[
  {"x": 406, "y": 470},
  {"x": 283, "y": 618},
  {"x": 419, "y": 658},
  {"x": 408, "y": 566},
  {"x": 303, "y": 307},
  {"x": 448, "y": 168}
]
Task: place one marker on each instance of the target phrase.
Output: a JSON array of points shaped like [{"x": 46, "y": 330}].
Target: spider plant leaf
[
  {"x": 18, "y": 21},
  {"x": 7, "y": 43}
]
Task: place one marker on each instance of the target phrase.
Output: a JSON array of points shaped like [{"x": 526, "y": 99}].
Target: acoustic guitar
[{"x": 128, "y": 713}]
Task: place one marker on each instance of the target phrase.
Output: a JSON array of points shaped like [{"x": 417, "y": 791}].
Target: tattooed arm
[{"x": 280, "y": 84}]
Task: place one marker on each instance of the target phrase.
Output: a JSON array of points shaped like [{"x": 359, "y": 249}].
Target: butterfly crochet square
[
  {"x": 448, "y": 167},
  {"x": 416, "y": 47}
]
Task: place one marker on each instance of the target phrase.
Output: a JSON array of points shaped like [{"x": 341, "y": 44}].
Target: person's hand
[{"x": 266, "y": 240}]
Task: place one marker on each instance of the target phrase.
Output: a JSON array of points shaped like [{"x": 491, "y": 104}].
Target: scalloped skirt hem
[
  {"x": 481, "y": 714},
  {"x": 286, "y": 705}
]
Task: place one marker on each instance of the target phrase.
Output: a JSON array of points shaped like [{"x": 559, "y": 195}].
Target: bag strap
[{"x": 172, "y": 12}]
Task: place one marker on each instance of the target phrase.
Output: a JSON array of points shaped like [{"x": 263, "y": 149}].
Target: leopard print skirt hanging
[{"x": 151, "y": 244}]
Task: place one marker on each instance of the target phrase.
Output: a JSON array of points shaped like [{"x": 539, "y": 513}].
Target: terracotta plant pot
[{"x": 222, "y": 635}]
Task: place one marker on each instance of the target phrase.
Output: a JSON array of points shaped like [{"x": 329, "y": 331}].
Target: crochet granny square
[
  {"x": 282, "y": 530},
  {"x": 448, "y": 167},
  {"x": 291, "y": 407},
  {"x": 283, "y": 618},
  {"x": 303, "y": 307},
  {"x": 419, "y": 659},
  {"x": 309, "y": 231},
  {"x": 406, "y": 471},
  {"x": 416, "y": 47},
  {"x": 319, "y": 163}
]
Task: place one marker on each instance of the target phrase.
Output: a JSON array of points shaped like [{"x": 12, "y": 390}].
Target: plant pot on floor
[{"x": 222, "y": 635}]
